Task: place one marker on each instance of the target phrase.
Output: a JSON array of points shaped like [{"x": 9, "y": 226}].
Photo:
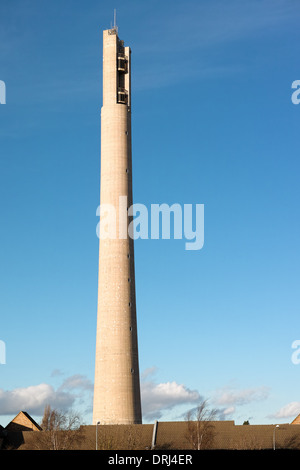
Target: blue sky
[{"x": 213, "y": 124}]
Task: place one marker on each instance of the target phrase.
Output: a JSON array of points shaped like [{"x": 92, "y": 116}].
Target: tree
[
  {"x": 200, "y": 429},
  {"x": 60, "y": 430}
]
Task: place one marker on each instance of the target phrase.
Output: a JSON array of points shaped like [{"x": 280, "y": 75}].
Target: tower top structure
[{"x": 116, "y": 69}]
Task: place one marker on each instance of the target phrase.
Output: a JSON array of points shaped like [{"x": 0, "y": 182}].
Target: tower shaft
[{"x": 117, "y": 383}]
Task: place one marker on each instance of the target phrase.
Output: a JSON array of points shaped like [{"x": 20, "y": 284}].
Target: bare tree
[
  {"x": 200, "y": 429},
  {"x": 46, "y": 418},
  {"x": 60, "y": 430}
]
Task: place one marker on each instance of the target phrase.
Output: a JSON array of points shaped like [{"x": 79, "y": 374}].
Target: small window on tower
[
  {"x": 122, "y": 95},
  {"x": 122, "y": 64}
]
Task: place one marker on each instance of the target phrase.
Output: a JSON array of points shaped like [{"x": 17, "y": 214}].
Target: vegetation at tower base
[{"x": 60, "y": 431}]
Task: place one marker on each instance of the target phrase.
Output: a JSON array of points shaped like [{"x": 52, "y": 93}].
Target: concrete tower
[{"x": 117, "y": 383}]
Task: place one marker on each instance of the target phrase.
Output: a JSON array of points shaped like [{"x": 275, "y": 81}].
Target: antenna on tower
[{"x": 115, "y": 20}]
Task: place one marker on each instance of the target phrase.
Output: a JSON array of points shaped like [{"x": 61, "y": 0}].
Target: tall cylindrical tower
[{"x": 117, "y": 383}]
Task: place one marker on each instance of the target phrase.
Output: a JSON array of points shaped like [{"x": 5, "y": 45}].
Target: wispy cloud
[
  {"x": 188, "y": 42},
  {"x": 77, "y": 382},
  {"x": 291, "y": 410},
  {"x": 233, "y": 397},
  {"x": 191, "y": 25},
  {"x": 225, "y": 413},
  {"x": 57, "y": 373},
  {"x": 226, "y": 400}
]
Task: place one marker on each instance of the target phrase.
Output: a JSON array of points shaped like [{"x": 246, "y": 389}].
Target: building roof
[
  {"x": 296, "y": 420},
  {"x": 23, "y": 422}
]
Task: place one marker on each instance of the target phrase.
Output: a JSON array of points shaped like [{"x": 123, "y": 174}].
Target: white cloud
[
  {"x": 291, "y": 410},
  {"x": 157, "y": 398},
  {"x": 34, "y": 398},
  {"x": 229, "y": 411},
  {"x": 148, "y": 372},
  {"x": 227, "y": 396},
  {"x": 225, "y": 413}
]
